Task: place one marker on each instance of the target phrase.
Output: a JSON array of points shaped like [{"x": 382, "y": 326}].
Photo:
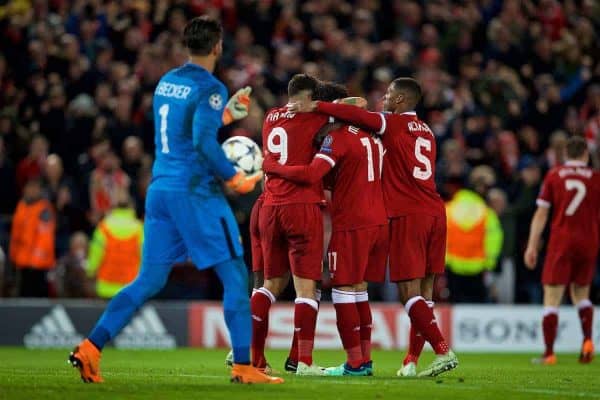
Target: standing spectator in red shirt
[
  {"x": 105, "y": 182},
  {"x": 32, "y": 165}
]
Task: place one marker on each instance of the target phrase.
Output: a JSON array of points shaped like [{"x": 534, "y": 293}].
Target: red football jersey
[
  {"x": 409, "y": 167},
  {"x": 357, "y": 161},
  {"x": 573, "y": 192},
  {"x": 409, "y": 162},
  {"x": 288, "y": 139}
]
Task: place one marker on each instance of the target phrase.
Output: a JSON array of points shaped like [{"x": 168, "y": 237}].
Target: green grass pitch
[{"x": 201, "y": 374}]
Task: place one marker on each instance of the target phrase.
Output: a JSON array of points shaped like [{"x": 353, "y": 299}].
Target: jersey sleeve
[
  {"x": 333, "y": 148},
  {"x": 206, "y": 123},
  {"x": 304, "y": 174},
  {"x": 367, "y": 120},
  {"x": 545, "y": 198}
]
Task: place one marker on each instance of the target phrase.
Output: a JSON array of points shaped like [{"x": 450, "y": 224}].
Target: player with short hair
[
  {"x": 326, "y": 91},
  {"x": 572, "y": 191},
  {"x": 358, "y": 249},
  {"x": 291, "y": 224},
  {"x": 187, "y": 214},
  {"x": 415, "y": 209}
]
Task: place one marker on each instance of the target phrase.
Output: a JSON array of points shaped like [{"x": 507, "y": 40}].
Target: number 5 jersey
[{"x": 409, "y": 162}]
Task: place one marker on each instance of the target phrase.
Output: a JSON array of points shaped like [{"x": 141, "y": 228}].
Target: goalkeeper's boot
[
  {"x": 369, "y": 367},
  {"x": 587, "y": 352},
  {"x": 546, "y": 359},
  {"x": 346, "y": 370},
  {"x": 408, "y": 370},
  {"x": 229, "y": 359},
  {"x": 309, "y": 370},
  {"x": 86, "y": 358},
  {"x": 290, "y": 365},
  {"x": 441, "y": 364},
  {"x": 241, "y": 373}
]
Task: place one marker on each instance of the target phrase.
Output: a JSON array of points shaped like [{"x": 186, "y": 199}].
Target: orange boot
[
  {"x": 587, "y": 352},
  {"x": 248, "y": 374},
  {"x": 549, "y": 359},
  {"x": 86, "y": 357}
]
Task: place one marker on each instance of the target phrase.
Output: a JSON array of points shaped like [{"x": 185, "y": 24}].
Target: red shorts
[
  {"x": 292, "y": 239},
  {"x": 567, "y": 265},
  {"x": 417, "y": 246},
  {"x": 257, "y": 255},
  {"x": 358, "y": 255}
]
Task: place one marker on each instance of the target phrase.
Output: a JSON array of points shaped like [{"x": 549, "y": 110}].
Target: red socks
[
  {"x": 586, "y": 315},
  {"x": 294, "y": 348},
  {"x": 293, "y": 355},
  {"x": 416, "y": 341},
  {"x": 550, "y": 327},
  {"x": 366, "y": 323},
  {"x": 422, "y": 318},
  {"x": 305, "y": 321},
  {"x": 260, "y": 304},
  {"x": 348, "y": 323}
]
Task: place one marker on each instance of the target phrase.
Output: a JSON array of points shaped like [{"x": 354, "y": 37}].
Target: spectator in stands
[
  {"x": 63, "y": 194},
  {"x": 32, "y": 240},
  {"x": 7, "y": 181},
  {"x": 452, "y": 170},
  {"x": 106, "y": 182},
  {"x": 2, "y": 271},
  {"x": 526, "y": 190},
  {"x": 32, "y": 166},
  {"x": 134, "y": 158},
  {"x": 116, "y": 248},
  {"x": 474, "y": 239},
  {"x": 69, "y": 277}
]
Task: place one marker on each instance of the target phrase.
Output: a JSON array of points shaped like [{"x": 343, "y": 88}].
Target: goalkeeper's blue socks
[
  {"x": 236, "y": 304},
  {"x": 118, "y": 313},
  {"x": 240, "y": 330}
]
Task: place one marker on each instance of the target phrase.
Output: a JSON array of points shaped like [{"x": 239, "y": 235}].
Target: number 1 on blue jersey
[{"x": 164, "y": 111}]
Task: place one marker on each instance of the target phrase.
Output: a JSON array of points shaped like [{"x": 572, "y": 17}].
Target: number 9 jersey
[
  {"x": 288, "y": 139},
  {"x": 573, "y": 192}
]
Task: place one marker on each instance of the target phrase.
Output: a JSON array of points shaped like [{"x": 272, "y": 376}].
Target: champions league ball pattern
[{"x": 243, "y": 153}]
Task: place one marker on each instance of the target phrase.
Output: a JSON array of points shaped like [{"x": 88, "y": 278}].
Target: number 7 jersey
[
  {"x": 573, "y": 192},
  {"x": 289, "y": 140}
]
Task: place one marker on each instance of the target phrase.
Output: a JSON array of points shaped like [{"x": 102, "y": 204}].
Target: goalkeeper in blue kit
[{"x": 187, "y": 215}]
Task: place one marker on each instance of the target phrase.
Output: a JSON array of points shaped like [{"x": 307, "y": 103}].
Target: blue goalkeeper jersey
[{"x": 188, "y": 108}]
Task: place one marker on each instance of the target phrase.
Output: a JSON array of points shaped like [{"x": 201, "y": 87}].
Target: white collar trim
[
  {"x": 409, "y": 113},
  {"x": 575, "y": 163}
]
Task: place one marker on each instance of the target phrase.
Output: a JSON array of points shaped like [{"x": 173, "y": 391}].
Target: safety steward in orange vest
[
  {"x": 475, "y": 239},
  {"x": 115, "y": 250},
  {"x": 32, "y": 241}
]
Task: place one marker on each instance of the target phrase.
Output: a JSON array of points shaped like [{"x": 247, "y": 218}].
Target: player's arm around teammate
[{"x": 417, "y": 225}]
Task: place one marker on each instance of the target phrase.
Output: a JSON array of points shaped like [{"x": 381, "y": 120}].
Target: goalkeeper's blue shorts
[{"x": 180, "y": 226}]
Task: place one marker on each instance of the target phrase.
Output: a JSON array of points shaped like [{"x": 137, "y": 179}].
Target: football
[{"x": 243, "y": 153}]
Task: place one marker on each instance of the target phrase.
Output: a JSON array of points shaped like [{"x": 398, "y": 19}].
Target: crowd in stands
[{"x": 505, "y": 84}]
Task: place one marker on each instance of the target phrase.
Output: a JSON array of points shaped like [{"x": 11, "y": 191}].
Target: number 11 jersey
[{"x": 288, "y": 139}]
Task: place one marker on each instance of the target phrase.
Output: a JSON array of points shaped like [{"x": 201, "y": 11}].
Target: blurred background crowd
[{"x": 505, "y": 84}]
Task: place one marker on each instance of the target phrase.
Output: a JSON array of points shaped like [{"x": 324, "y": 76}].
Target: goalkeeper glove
[
  {"x": 238, "y": 105},
  {"x": 242, "y": 183}
]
